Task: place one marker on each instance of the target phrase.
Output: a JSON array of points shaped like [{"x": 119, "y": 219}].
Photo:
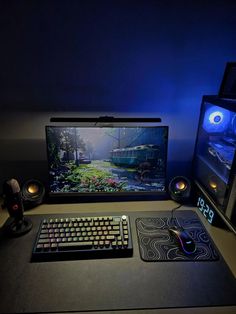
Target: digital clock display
[{"x": 205, "y": 209}]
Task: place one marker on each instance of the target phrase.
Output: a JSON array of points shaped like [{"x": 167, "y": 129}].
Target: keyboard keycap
[{"x": 75, "y": 245}]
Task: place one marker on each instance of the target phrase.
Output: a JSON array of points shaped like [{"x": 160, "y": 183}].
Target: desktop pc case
[{"x": 214, "y": 165}]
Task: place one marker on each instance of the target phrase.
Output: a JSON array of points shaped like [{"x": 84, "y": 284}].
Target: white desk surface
[{"x": 223, "y": 239}]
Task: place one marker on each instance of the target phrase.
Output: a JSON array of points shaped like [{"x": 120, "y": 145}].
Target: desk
[{"x": 224, "y": 240}]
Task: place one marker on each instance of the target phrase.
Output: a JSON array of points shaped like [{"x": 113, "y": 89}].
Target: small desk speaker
[
  {"x": 180, "y": 189},
  {"x": 33, "y": 193}
]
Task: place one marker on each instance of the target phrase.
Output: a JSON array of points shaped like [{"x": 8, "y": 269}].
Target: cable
[{"x": 172, "y": 215}]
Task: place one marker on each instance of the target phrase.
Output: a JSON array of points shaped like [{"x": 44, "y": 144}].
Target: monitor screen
[{"x": 106, "y": 160}]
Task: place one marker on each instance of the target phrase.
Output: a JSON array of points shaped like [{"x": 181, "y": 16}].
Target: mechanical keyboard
[{"x": 83, "y": 238}]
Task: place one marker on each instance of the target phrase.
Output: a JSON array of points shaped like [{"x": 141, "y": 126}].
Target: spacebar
[{"x": 75, "y": 245}]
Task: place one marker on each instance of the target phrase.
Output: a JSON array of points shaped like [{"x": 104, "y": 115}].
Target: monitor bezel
[{"x": 88, "y": 197}]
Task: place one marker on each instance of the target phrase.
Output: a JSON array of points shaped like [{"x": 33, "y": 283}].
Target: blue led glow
[
  {"x": 234, "y": 124},
  {"x": 216, "y": 119}
]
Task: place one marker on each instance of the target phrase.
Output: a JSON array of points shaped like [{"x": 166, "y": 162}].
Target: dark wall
[{"x": 124, "y": 58}]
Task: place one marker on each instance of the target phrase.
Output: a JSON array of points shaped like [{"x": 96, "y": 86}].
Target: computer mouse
[{"x": 185, "y": 241}]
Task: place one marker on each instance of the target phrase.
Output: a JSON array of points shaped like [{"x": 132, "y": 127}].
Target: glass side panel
[{"x": 215, "y": 150}]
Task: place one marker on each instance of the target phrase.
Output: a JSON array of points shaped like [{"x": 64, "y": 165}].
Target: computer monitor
[{"x": 89, "y": 163}]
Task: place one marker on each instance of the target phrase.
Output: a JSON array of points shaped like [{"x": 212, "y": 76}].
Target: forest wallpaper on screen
[{"x": 108, "y": 159}]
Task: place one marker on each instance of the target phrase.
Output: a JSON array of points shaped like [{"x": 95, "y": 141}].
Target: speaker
[
  {"x": 180, "y": 189},
  {"x": 33, "y": 193}
]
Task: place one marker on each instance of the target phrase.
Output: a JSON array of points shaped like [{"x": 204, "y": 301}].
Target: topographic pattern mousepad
[{"x": 156, "y": 244}]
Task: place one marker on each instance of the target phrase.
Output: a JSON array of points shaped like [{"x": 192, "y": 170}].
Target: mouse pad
[{"x": 156, "y": 243}]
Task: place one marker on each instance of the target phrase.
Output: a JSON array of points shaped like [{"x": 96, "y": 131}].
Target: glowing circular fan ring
[{"x": 216, "y": 117}]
